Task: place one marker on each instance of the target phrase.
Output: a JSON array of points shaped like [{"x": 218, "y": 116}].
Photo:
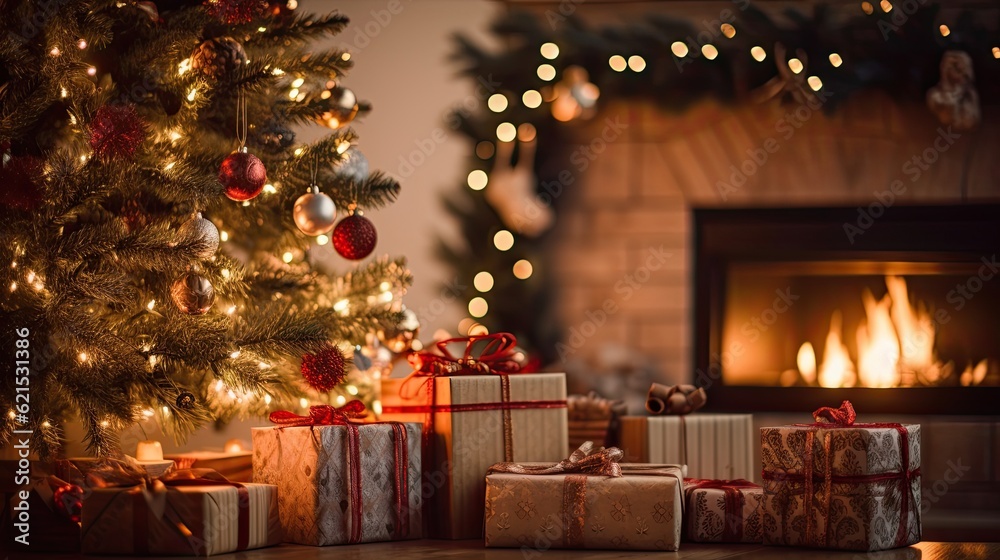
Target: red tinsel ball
[
  {"x": 116, "y": 131},
  {"x": 234, "y": 12},
  {"x": 325, "y": 369},
  {"x": 20, "y": 177},
  {"x": 355, "y": 237},
  {"x": 68, "y": 500},
  {"x": 243, "y": 175}
]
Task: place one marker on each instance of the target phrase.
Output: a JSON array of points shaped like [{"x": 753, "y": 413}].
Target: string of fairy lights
[{"x": 574, "y": 97}]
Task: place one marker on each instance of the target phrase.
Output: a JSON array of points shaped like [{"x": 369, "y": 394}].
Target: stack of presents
[{"x": 467, "y": 447}]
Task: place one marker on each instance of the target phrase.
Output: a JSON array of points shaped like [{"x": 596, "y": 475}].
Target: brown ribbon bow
[
  {"x": 496, "y": 357},
  {"x": 675, "y": 399},
  {"x": 586, "y": 460}
]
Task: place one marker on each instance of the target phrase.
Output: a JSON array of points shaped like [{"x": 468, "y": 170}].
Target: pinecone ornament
[{"x": 218, "y": 58}]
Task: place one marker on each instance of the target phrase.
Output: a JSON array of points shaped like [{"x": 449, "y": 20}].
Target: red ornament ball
[
  {"x": 234, "y": 12},
  {"x": 116, "y": 132},
  {"x": 68, "y": 500},
  {"x": 20, "y": 177},
  {"x": 325, "y": 369},
  {"x": 243, "y": 175},
  {"x": 355, "y": 237}
]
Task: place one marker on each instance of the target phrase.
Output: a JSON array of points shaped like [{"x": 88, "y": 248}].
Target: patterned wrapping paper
[
  {"x": 862, "y": 507},
  {"x": 310, "y": 467},
  {"x": 183, "y": 521},
  {"x": 713, "y": 446},
  {"x": 641, "y": 510},
  {"x": 717, "y": 514},
  {"x": 469, "y": 436}
]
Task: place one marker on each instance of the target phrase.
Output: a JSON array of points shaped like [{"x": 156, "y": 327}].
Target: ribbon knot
[
  {"x": 842, "y": 416},
  {"x": 586, "y": 460},
  {"x": 322, "y": 415},
  {"x": 497, "y": 356}
]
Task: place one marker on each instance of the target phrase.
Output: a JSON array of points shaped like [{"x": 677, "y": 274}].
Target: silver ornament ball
[
  {"x": 201, "y": 230},
  {"x": 314, "y": 213},
  {"x": 353, "y": 166}
]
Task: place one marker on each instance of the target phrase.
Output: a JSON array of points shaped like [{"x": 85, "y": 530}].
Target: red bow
[
  {"x": 495, "y": 357},
  {"x": 843, "y": 416},
  {"x": 322, "y": 415}
]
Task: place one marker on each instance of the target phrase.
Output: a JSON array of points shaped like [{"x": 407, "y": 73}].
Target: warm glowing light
[
  {"x": 298, "y": 151},
  {"x": 191, "y": 94},
  {"x": 878, "y": 345},
  {"x": 758, "y": 54},
  {"x": 814, "y": 83},
  {"x": 806, "y": 361},
  {"x": 91, "y": 71},
  {"x": 526, "y": 132},
  {"x": 546, "y": 72},
  {"x": 886, "y": 6},
  {"x": 148, "y": 413},
  {"x": 483, "y": 281},
  {"x": 82, "y": 44},
  {"x": 478, "y": 330},
  {"x": 298, "y": 82},
  {"x": 617, "y": 63},
  {"x": 679, "y": 49},
  {"x": 151, "y": 304},
  {"x": 549, "y": 50},
  {"x": 465, "y": 324},
  {"x": 709, "y": 51},
  {"x": 996, "y": 52},
  {"x": 230, "y": 310},
  {"x": 728, "y": 30},
  {"x": 477, "y": 179},
  {"x": 944, "y": 30},
  {"x": 235, "y": 354},
  {"x": 795, "y": 65},
  {"x": 303, "y": 402},
  {"x": 46, "y": 424},
  {"x": 836, "y": 369},
  {"x": 522, "y": 269},
  {"x": 377, "y": 407},
  {"x": 105, "y": 423},
  {"x": 914, "y": 326},
  {"x": 267, "y": 399},
  {"x": 497, "y": 102},
  {"x": 341, "y": 400},
  {"x": 636, "y": 63},
  {"x": 82, "y": 356},
  {"x": 224, "y": 235},
  {"x": 322, "y": 239},
  {"x": 287, "y": 257},
  {"x": 867, "y": 8},
  {"x": 506, "y": 132},
  {"x": 55, "y": 51},
  {"x": 478, "y": 307},
  {"x": 503, "y": 240},
  {"x": 351, "y": 389},
  {"x": 341, "y": 306},
  {"x": 835, "y": 60},
  {"x": 64, "y": 94},
  {"x": 531, "y": 99}
]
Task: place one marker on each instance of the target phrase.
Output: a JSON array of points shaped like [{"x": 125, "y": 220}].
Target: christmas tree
[{"x": 159, "y": 225}]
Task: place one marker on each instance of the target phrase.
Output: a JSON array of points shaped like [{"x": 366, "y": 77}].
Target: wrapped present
[
  {"x": 839, "y": 484},
  {"x": 477, "y": 411},
  {"x": 43, "y": 516},
  {"x": 722, "y": 511},
  {"x": 194, "y": 512},
  {"x": 234, "y": 465},
  {"x": 593, "y": 418},
  {"x": 342, "y": 481},
  {"x": 586, "y": 501}
]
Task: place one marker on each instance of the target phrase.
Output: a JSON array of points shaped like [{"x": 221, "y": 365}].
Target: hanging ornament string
[
  {"x": 241, "y": 119},
  {"x": 314, "y": 212},
  {"x": 241, "y": 173}
]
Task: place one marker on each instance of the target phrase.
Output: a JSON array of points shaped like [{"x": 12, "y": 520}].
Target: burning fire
[{"x": 895, "y": 347}]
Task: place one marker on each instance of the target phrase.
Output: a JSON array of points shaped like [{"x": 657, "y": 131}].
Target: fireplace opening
[{"x": 794, "y": 309}]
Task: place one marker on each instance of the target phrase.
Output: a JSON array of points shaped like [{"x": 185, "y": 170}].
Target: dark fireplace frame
[{"x": 942, "y": 234}]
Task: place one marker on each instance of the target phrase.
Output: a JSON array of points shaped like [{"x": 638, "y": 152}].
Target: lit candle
[
  {"x": 233, "y": 446},
  {"x": 149, "y": 450}
]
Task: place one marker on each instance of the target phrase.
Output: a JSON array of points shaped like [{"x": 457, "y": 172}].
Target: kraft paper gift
[
  {"x": 838, "y": 484},
  {"x": 639, "y": 508},
  {"x": 713, "y": 446},
  {"x": 339, "y": 484},
  {"x": 200, "y": 520},
  {"x": 472, "y": 422},
  {"x": 722, "y": 511}
]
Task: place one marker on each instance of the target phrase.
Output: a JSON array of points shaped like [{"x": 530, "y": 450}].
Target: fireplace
[{"x": 896, "y": 309}]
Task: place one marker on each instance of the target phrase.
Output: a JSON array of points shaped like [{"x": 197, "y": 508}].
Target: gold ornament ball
[
  {"x": 342, "y": 107},
  {"x": 200, "y": 229},
  {"x": 314, "y": 213},
  {"x": 400, "y": 338},
  {"x": 193, "y": 294}
]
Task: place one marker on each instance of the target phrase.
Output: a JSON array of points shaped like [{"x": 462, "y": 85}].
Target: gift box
[
  {"x": 713, "y": 446},
  {"x": 722, "y": 511},
  {"x": 840, "y": 484},
  {"x": 181, "y": 514},
  {"x": 234, "y": 465},
  {"x": 593, "y": 418},
  {"x": 472, "y": 422},
  {"x": 584, "y": 502},
  {"x": 343, "y": 483}
]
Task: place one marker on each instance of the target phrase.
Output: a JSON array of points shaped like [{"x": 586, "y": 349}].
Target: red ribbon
[
  {"x": 350, "y": 416},
  {"x": 732, "y": 530},
  {"x": 839, "y": 418}
]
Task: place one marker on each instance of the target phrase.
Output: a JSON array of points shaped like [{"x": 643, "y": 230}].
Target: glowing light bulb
[
  {"x": 497, "y": 102},
  {"x": 636, "y": 63},
  {"x": 151, "y": 304},
  {"x": 478, "y": 307},
  {"x": 549, "y": 50},
  {"x": 506, "y": 132},
  {"x": 82, "y": 356},
  {"x": 224, "y": 235},
  {"x": 758, "y": 54},
  {"x": 709, "y": 51},
  {"x": 728, "y": 30},
  {"x": 835, "y": 60},
  {"x": 546, "y": 72},
  {"x": 944, "y": 30},
  {"x": 531, "y": 99},
  {"x": 477, "y": 179},
  {"x": 617, "y": 63},
  {"x": 679, "y": 49},
  {"x": 522, "y": 269},
  {"x": 795, "y": 65},
  {"x": 503, "y": 240},
  {"x": 322, "y": 239},
  {"x": 287, "y": 257},
  {"x": 483, "y": 281},
  {"x": 814, "y": 82}
]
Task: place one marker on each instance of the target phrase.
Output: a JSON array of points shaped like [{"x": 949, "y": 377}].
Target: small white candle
[
  {"x": 233, "y": 446},
  {"x": 149, "y": 450}
]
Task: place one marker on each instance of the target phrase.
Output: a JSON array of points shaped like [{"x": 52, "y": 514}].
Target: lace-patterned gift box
[
  {"x": 722, "y": 511},
  {"x": 311, "y": 467},
  {"x": 850, "y": 486},
  {"x": 641, "y": 510}
]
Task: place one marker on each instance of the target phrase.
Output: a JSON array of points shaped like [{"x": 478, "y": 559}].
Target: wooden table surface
[{"x": 411, "y": 550}]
